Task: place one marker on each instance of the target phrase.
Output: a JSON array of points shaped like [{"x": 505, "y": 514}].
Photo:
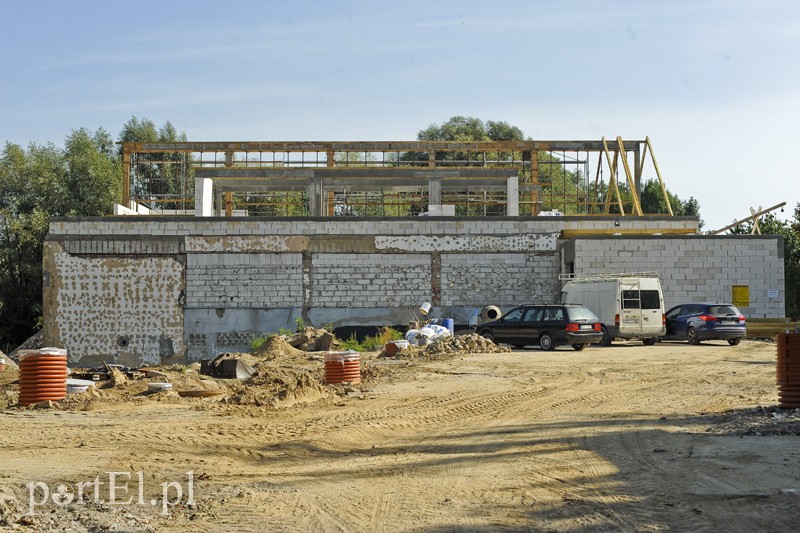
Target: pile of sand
[
  {"x": 274, "y": 386},
  {"x": 277, "y": 348}
]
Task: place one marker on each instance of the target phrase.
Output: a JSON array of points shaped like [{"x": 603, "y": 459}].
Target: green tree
[
  {"x": 91, "y": 173},
  {"x": 652, "y": 202},
  {"x": 31, "y": 184},
  {"x": 163, "y": 180}
]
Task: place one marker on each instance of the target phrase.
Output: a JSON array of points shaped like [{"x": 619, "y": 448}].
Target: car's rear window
[
  {"x": 723, "y": 310},
  {"x": 581, "y": 313}
]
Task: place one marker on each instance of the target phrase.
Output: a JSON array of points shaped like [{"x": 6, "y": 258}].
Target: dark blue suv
[{"x": 704, "y": 322}]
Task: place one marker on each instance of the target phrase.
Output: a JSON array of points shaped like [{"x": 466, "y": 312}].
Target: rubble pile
[
  {"x": 755, "y": 421},
  {"x": 10, "y": 509},
  {"x": 311, "y": 339},
  {"x": 6, "y": 363},
  {"x": 470, "y": 343}
]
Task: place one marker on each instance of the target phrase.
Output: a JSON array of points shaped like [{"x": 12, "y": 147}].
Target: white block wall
[
  {"x": 210, "y": 283},
  {"x": 244, "y": 280},
  {"x": 695, "y": 268},
  {"x": 499, "y": 279},
  {"x": 370, "y": 280}
]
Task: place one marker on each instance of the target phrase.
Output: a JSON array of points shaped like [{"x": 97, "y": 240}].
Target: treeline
[{"x": 38, "y": 181}]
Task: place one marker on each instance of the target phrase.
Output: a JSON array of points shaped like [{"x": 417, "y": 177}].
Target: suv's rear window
[
  {"x": 581, "y": 313},
  {"x": 723, "y": 310}
]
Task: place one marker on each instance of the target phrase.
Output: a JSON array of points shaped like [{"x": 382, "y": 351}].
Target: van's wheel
[
  {"x": 649, "y": 342},
  {"x": 692, "y": 337},
  {"x": 606, "y": 340},
  {"x": 546, "y": 342},
  {"x": 488, "y": 336},
  {"x": 735, "y": 342},
  {"x": 579, "y": 347}
]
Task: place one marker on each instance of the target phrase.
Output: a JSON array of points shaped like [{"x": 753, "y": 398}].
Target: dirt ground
[{"x": 669, "y": 437}]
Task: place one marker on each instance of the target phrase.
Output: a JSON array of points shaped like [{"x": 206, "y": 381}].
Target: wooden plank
[{"x": 626, "y": 232}]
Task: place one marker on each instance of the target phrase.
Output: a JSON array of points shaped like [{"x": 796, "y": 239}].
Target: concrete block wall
[
  {"x": 505, "y": 279},
  {"x": 369, "y": 280},
  {"x": 697, "y": 268},
  {"x": 196, "y": 286},
  {"x": 243, "y": 280}
]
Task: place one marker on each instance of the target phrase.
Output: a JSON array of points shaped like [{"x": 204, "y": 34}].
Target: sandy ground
[{"x": 670, "y": 437}]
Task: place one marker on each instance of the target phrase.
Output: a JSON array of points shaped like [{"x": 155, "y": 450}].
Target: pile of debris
[
  {"x": 460, "y": 344},
  {"x": 470, "y": 343},
  {"x": 311, "y": 339},
  {"x": 7, "y": 363}
]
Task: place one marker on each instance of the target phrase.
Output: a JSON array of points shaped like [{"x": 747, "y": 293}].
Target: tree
[
  {"x": 652, "y": 202},
  {"x": 164, "y": 179},
  {"x": 30, "y": 183},
  {"x": 91, "y": 173}
]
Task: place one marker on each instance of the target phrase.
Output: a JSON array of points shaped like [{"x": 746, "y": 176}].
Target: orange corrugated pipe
[{"x": 42, "y": 375}]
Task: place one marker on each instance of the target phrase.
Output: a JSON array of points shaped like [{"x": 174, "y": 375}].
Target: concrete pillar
[
  {"x": 434, "y": 191},
  {"x": 203, "y": 197},
  {"x": 512, "y": 196},
  {"x": 314, "y": 191}
]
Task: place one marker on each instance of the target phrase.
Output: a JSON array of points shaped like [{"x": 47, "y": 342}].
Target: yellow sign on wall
[{"x": 740, "y": 295}]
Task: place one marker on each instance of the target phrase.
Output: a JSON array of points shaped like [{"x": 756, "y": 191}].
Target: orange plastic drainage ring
[
  {"x": 42, "y": 375},
  {"x": 787, "y": 371},
  {"x": 342, "y": 367}
]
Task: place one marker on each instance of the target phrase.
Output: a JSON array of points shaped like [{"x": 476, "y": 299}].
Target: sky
[{"x": 715, "y": 84}]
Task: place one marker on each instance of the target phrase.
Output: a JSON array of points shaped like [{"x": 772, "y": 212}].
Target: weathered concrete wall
[
  {"x": 196, "y": 286},
  {"x": 126, "y": 307},
  {"x": 698, "y": 268}
]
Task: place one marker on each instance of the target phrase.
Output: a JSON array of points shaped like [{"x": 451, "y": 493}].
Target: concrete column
[
  {"x": 434, "y": 191},
  {"x": 315, "y": 198},
  {"x": 512, "y": 196},
  {"x": 203, "y": 197}
]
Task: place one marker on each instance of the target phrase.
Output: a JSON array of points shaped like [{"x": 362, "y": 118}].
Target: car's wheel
[
  {"x": 606, "y": 340},
  {"x": 651, "y": 341},
  {"x": 488, "y": 336},
  {"x": 735, "y": 342},
  {"x": 692, "y": 337},
  {"x": 546, "y": 342},
  {"x": 579, "y": 347}
]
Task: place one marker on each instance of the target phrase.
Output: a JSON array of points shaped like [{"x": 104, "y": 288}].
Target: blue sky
[{"x": 715, "y": 84}]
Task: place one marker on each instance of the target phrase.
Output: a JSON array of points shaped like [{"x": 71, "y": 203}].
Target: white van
[{"x": 630, "y": 306}]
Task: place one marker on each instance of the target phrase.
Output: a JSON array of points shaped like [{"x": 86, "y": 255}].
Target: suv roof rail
[{"x": 608, "y": 276}]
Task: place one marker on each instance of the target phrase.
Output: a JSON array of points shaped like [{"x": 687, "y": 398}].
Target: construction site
[
  {"x": 217, "y": 243},
  {"x": 207, "y": 325}
]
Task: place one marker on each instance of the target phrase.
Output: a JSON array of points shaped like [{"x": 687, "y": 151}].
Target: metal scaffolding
[{"x": 385, "y": 178}]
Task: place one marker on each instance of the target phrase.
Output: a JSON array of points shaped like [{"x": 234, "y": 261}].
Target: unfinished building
[{"x": 216, "y": 243}]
